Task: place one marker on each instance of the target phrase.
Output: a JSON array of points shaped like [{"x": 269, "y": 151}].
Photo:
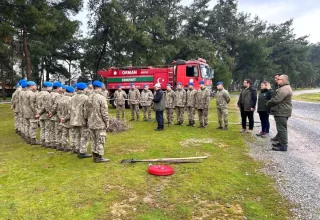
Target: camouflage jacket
[
  {"x": 120, "y": 97},
  {"x": 63, "y": 110},
  {"x": 170, "y": 99},
  {"x": 96, "y": 112},
  {"x": 21, "y": 100},
  {"x": 105, "y": 93},
  {"x": 30, "y": 103},
  {"x": 52, "y": 104},
  {"x": 77, "y": 109},
  {"x": 15, "y": 100},
  {"x": 88, "y": 91},
  {"x": 191, "y": 97},
  {"x": 134, "y": 96},
  {"x": 203, "y": 98},
  {"x": 223, "y": 98},
  {"x": 41, "y": 100},
  {"x": 181, "y": 98},
  {"x": 146, "y": 98}
]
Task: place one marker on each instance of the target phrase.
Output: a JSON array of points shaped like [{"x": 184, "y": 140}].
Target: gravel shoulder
[{"x": 297, "y": 171}]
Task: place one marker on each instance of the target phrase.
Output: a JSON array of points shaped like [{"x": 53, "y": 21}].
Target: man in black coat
[
  {"x": 159, "y": 106},
  {"x": 247, "y": 104}
]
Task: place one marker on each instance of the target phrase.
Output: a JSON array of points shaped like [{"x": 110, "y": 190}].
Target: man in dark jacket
[
  {"x": 281, "y": 107},
  {"x": 159, "y": 106},
  {"x": 247, "y": 104}
]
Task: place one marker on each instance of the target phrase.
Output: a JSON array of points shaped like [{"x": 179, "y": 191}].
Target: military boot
[
  {"x": 74, "y": 150},
  {"x": 28, "y": 140},
  {"x": 190, "y": 123},
  {"x": 275, "y": 139},
  {"x": 225, "y": 127},
  {"x": 66, "y": 149},
  {"x": 42, "y": 143},
  {"x": 220, "y": 127},
  {"x": 84, "y": 155},
  {"x": 279, "y": 147},
  {"x": 59, "y": 147},
  {"x": 33, "y": 141},
  {"x": 99, "y": 159},
  {"x": 17, "y": 132}
]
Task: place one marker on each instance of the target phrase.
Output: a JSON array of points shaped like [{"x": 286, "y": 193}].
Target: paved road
[{"x": 297, "y": 171}]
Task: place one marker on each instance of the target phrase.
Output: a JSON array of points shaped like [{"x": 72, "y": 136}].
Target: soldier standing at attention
[
  {"x": 56, "y": 143},
  {"x": 15, "y": 106},
  {"x": 105, "y": 92},
  {"x": 96, "y": 112},
  {"x": 89, "y": 89},
  {"x": 203, "y": 100},
  {"x": 223, "y": 99},
  {"x": 41, "y": 113},
  {"x": 191, "y": 103},
  {"x": 169, "y": 103},
  {"x": 63, "y": 112},
  {"x": 119, "y": 98},
  {"x": 21, "y": 110},
  {"x": 78, "y": 123},
  {"x": 134, "y": 99},
  {"x": 181, "y": 99},
  {"x": 159, "y": 106},
  {"x": 31, "y": 112},
  {"x": 146, "y": 101}
]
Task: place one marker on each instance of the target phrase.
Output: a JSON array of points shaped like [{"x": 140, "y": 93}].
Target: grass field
[
  {"x": 308, "y": 97},
  {"x": 37, "y": 183}
]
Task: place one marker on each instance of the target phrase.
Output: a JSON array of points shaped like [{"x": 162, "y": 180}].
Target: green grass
[
  {"x": 37, "y": 183},
  {"x": 308, "y": 97}
]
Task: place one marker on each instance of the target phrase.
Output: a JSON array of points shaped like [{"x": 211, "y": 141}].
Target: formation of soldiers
[{"x": 71, "y": 117}]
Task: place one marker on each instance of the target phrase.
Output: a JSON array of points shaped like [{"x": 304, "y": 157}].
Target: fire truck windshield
[{"x": 205, "y": 72}]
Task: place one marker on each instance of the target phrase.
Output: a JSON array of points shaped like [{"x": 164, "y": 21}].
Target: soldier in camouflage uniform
[
  {"x": 96, "y": 113},
  {"x": 119, "y": 98},
  {"x": 180, "y": 99},
  {"x": 134, "y": 100},
  {"x": 15, "y": 107},
  {"x": 169, "y": 103},
  {"x": 30, "y": 103},
  {"x": 105, "y": 92},
  {"x": 89, "y": 89},
  {"x": 63, "y": 112},
  {"x": 51, "y": 107},
  {"x": 146, "y": 101},
  {"x": 42, "y": 113},
  {"x": 191, "y": 103},
  {"x": 78, "y": 122},
  {"x": 223, "y": 99},
  {"x": 203, "y": 100},
  {"x": 21, "y": 110}
]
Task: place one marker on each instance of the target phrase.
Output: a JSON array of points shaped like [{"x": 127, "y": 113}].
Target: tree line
[{"x": 39, "y": 40}]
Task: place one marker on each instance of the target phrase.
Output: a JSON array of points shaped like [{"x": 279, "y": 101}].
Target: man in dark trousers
[
  {"x": 247, "y": 104},
  {"x": 159, "y": 106},
  {"x": 281, "y": 107}
]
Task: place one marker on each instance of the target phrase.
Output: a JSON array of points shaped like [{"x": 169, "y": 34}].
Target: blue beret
[
  {"x": 179, "y": 83},
  {"x": 63, "y": 86},
  {"x": 191, "y": 84},
  {"x": 119, "y": 85},
  {"x": 47, "y": 84},
  {"x": 24, "y": 84},
  {"x": 89, "y": 83},
  {"x": 97, "y": 83},
  {"x": 21, "y": 81},
  {"x": 57, "y": 84},
  {"x": 131, "y": 84},
  {"x": 31, "y": 83},
  {"x": 219, "y": 83},
  {"x": 145, "y": 85},
  {"x": 69, "y": 89},
  {"x": 201, "y": 82},
  {"x": 75, "y": 85},
  {"x": 81, "y": 85},
  {"x": 169, "y": 85}
]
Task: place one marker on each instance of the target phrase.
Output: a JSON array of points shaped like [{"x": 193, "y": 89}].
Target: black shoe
[
  {"x": 276, "y": 144},
  {"x": 225, "y": 128},
  {"x": 81, "y": 155},
  {"x": 220, "y": 127},
  {"x": 280, "y": 148},
  {"x": 275, "y": 139}
]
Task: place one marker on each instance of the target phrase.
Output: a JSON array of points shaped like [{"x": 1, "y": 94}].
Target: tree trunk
[
  {"x": 26, "y": 53},
  {"x": 70, "y": 72},
  {"x": 100, "y": 58}
]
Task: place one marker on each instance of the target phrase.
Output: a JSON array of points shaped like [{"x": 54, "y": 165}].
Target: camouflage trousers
[
  {"x": 169, "y": 113},
  {"x": 180, "y": 114},
  {"x": 26, "y": 126},
  {"x": 54, "y": 133},
  {"x": 203, "y": 117},
  {"x": 58, "y": 132},
  {"x": 146, "y": 110},
  {"x": 20, "y": 122},
  {"x": 120, "y": 109},
  {"x": 16, "y": 121},
  {"x": 98, "y": 138},
  {"x": 42, "y": 130},
  {"x": 47, "y": 134},
  {"x": 64, "y": 136},
  {"x": 222, "y": 116},
  {"x": 80, "y": 138},
  {"x": 33, "y": 128},
  {"x": 191, "y": 113},
  {"x": 134, "y": 110}
]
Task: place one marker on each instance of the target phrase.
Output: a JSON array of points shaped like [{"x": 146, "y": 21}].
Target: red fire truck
[{"x": 180, "y": 71}]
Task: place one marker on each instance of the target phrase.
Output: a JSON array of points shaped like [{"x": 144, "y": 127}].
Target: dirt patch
[
  {"x": 196, "y": 142},
  {"x": 214, "y": 210}
]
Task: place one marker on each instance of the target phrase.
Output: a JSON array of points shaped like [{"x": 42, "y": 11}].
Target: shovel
[{"x": 168, "y": 160}]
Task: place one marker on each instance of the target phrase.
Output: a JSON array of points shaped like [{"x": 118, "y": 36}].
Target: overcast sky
[{"x": 306, "y": 14}]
